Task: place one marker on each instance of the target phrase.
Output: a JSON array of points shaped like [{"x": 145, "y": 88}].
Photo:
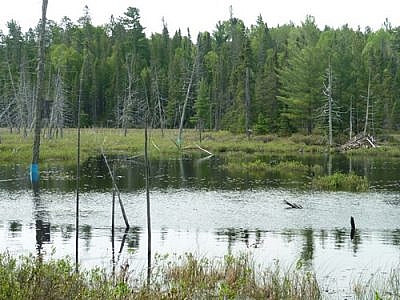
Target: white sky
[{"x": 201, "y": 15}]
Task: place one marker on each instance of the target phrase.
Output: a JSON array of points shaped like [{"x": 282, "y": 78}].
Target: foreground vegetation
[{"x": 183, "y": 277}]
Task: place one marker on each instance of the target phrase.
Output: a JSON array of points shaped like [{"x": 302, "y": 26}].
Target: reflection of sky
[{"x": 214, "y": 223}]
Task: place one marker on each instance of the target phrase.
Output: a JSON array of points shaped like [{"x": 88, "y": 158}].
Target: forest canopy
[{"x": 292, "y": 78}]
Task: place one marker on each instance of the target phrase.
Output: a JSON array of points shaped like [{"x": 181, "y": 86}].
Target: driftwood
[
  {"x": 359, "y": 141},
  {"x": 293, "y": 205},
  {"x": 198, "y": 148}
]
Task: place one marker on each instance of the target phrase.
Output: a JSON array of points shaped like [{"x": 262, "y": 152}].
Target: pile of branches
[{"x": 359, "y": 141}]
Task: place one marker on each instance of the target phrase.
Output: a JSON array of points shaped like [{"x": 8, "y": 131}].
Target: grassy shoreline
[{"x": 15, "y": 148}]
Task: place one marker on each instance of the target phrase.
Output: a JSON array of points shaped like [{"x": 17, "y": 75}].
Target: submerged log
[{"x": 293, "y": 205}]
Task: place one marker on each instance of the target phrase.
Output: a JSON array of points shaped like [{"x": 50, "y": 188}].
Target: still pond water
[{"x": 201, "y": 208}]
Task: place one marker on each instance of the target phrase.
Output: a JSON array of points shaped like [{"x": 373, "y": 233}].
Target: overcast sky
[{"x": 202, "y": 15}]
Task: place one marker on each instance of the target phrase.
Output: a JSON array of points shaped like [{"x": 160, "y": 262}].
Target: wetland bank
[{"x": 208, "y": 207}]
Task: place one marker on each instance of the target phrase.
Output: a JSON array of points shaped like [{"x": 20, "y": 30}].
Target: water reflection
[
  {"x": 85, "y": 232},
  {"x": 251, "y": 238},
  {"x": 307, "y": 251},
  {"x": 199, "y": 206},
  {"x": 204, "y": 173},
  {"x": 66, "y": 231},
  {"x": 15, "y": 227},
  {"x": 42, "y": 234},
  {"x": 41, "y": 217},
  {"x": 133, "y": 237}
]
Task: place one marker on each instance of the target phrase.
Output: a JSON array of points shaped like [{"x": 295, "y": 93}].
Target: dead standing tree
[
  {"x": 368, "y": 104},
  {"x": 129, "y": 100},
  {"x": 157, "y": 95},
  {"x": 24, "y": 104},
  {"x": 58, "y": 109},
  {"x": 328, "y": 94},
  {"x": 188, "y": 90},
  {"x": 39, "y": 96}
]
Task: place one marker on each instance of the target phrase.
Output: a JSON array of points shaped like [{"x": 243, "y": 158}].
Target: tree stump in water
[{"x": 353, "y": 228}]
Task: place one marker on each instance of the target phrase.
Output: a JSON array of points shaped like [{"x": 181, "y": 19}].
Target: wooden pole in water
[
  {"x": 113, "y": 228},
  {"x": 353, "y": 228},
  {"x": 78, "y": 163},
  {"x": 116, "y": 190},
  {"x": 147, "y": 177}
]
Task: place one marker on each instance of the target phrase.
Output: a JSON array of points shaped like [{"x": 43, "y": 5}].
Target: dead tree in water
[{"x": 40, "y": 87}]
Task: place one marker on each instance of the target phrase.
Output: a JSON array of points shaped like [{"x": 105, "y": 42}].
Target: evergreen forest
[{"x": 292, "y": 78}]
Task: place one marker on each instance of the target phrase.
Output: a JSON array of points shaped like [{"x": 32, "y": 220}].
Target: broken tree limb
[
  {"x": 370, "y": 142},
  {"x": 155, "y": 145},
  {"x": 116, "y": 189},
  {"x": 204, "y": 150},
  {"x": 197, "y": 147}
]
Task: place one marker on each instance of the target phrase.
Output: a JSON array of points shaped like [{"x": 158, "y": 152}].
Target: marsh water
[{"x": 197, "y": 206}]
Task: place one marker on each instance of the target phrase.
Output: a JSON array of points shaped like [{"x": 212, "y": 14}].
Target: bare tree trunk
[
  {"x": 40, "y": 87},
  {"x": 367, "y": 109},
  {"x": 179, "y": 141},
  {"x": 247, "y": 102},
  {"x": 351, "y": 119},
  {"x": 148, "y": 211},
  {"x": 158, "y": 97},
  {"x": 330, "y": 104},
  {"x": 78, "y": 163}
]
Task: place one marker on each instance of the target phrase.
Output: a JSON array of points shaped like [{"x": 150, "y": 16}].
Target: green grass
[
  {"x": 183, "y": 277},
  {"x": 17, "y": 149},
  {"x": 176, "y": 277},
  {"x": 341, "y": 182},
  {"x": 258, "y": 167}
]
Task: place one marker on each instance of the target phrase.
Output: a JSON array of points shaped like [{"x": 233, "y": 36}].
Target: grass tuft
[{"x": 343, "y": 182}]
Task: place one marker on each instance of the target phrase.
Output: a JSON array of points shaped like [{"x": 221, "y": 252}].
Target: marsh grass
[
  {"x": 176, "y": 277},
  {"x": 341, "y": 182},
  {"x": 16, "y": 148},
  {"x": 183, "y": 277},
  {"x": 259, "y": 168},
  {"x": 378, "y": 286}
]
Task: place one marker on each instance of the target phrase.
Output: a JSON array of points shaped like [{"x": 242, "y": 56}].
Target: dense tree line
[{"x": 269, "y": 80}]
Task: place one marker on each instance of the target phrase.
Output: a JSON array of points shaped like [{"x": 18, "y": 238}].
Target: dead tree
[
  {"x": 40, "y": 87},
  {"x": 328, "y": 94},
  {"x": 157, "y": 96},
  {"x": 57, "y": 114},
  {"x": 188, "y": 90},
  {"x": 128, "y": 102},
  {"x": 247, "y": 102},
  {"x": 367, "y": 108}
]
